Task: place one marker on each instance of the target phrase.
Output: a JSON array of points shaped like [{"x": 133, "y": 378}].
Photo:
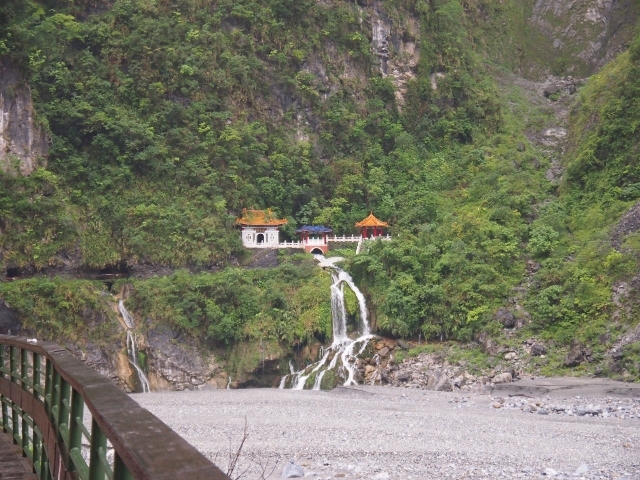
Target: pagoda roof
[
  {"x": 371, "y": 221},
  {"x": 259, "y": 218},
  {"x": 314, "y": 229}
]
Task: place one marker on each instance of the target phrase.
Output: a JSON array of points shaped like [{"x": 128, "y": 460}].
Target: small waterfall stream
[
  {"x": 132, "y": 346},
  {"x": 343, "y": 349}
]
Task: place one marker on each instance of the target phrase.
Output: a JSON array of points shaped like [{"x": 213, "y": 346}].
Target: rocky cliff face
[
  {"x": 592, "y": 32},
  {"x": 23, "y": 143},
  {"x": 396, "y": 47},
  {"x": 179, "y": 365}
]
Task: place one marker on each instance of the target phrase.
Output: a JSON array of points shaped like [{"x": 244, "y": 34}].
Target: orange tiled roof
[
  {"x": 259, "y": 218},
  {"x": 371, "y": 221}
]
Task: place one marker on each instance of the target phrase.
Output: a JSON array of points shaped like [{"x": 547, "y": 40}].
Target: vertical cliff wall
[{"x": 23, "y": 142}]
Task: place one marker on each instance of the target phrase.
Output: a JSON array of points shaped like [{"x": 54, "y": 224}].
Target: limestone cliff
[{"x": 23, "y": 142}]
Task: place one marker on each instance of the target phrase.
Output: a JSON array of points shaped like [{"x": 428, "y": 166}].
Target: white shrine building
[{"x": 260, "y": 228}]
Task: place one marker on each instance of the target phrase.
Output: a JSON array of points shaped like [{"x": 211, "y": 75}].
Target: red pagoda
[{"x": 371, "y": 227}]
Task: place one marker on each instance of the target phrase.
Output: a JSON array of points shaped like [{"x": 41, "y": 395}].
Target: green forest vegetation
[
  {"x": 268, "y": 310},
  {"x": 167, "y": 118}
]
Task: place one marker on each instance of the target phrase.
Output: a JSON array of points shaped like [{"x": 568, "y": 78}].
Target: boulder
[
  {"x": 9, "y": 321},
  {"x": 403, "y": 376},
  {"x": 581, "y": 470},
  {"x": 552, "y": 89},
  {"x": 538, "y": 349},
  {"x": 291, "y": 470},
  {"x": 575, "y": 355},
  {"x": 505, "y": 317},
  {"x": 459, "y": 381},
  {"x": 383, "y": 352},
  {"x": 503, "y": 378},
  {"x": 444, "y": 385},
  {"x": 486, "y": 343}
]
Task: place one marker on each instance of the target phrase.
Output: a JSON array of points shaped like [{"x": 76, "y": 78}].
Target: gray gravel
[{"x": 397, "y": 433}]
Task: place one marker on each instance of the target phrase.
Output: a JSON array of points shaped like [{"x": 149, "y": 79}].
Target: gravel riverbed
[{"x": 403, "y": 433}]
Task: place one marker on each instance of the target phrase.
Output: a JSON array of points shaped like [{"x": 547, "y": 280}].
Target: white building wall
[{"x": 260, "y": 237}]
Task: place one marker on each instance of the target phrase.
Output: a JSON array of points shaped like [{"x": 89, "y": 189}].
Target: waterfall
[
  {"x": 343, "y": 349},
  {"x": 132, "y": 346}
]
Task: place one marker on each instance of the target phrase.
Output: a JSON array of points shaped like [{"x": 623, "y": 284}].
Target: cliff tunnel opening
[
  {"x": 13, "y": 272},
  {"x": 110, "y": 273}
]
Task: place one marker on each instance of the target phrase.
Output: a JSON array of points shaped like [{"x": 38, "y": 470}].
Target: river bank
[{"x": 405, "y": 433}]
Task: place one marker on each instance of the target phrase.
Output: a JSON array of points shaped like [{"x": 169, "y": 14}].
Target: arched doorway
[
  {"x": 260, "y": 238},
  {"x": 317, "y": 251}
]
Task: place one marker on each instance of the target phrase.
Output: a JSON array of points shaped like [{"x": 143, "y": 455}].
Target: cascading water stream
[
  {"x": 132, "y": 346},
  {"x": 342, "y": 347}
]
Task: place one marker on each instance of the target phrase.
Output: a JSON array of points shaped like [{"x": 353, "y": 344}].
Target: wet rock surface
[{"x": 370, "y": 432}]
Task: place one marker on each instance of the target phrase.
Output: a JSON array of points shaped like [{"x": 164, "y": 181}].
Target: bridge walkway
[{"x": 13, "y": 466}]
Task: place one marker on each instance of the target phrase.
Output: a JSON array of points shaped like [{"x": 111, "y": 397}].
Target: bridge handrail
[{"x": 43, "y": 391}]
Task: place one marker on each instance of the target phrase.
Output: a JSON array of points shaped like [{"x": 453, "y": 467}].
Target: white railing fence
[{"x": 337, "y": 239}]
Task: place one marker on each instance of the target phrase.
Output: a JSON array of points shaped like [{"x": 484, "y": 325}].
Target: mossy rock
[{"x": 329, "y": 381}]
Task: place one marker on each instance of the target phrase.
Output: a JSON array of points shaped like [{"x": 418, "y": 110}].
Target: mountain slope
[{"x": 167, "y": 118}]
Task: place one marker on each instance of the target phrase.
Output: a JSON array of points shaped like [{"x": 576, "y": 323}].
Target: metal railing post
[
  {"x": 75, "y": 431},
  {"x": 15, "y": 418},
  {"x": 98, "y": 442},
  {"x": 48, "y": 388},
  {"x": 37, "y": 375},
  {"x": 4, "y": 411},
  {"x": 120, "y": 471},
  {"x": 64, "y": 404}
]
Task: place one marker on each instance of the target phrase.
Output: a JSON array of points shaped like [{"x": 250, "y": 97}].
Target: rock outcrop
[
  {"x": 23, "y": 142},
  {"x": 109, "y": 361},
  {"x": 593, "y": 31},
  {"x": 398, "y": 52},
  {"x": 578, "y": 353},
  {"x": 427, "y": 371},
  {"x": 629, "y": 223},
  {"x": 176, "y": 365},
  {"x": 9, "y": 321}
]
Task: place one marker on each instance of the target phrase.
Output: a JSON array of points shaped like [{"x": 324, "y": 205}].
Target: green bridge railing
[{"x": 74, "y": 424}]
